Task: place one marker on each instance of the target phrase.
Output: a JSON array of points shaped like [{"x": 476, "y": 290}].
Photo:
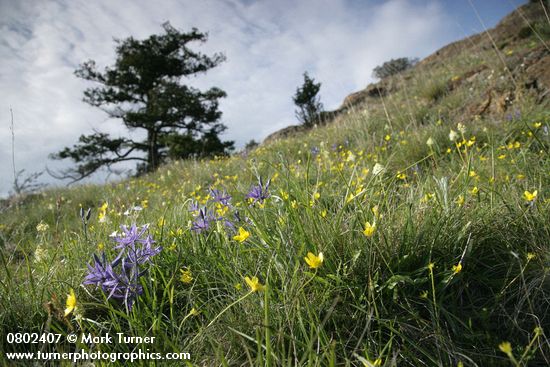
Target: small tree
[
  {"x": 394, "y": 66},
  {"x": 144, "y": 89},
  {"x": 308, "y": 101}
]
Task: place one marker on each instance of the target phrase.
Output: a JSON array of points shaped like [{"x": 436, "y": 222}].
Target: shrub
[{"x": 394, "y": 66}]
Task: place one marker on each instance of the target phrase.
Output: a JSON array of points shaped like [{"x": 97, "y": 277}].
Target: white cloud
[{"x": 268, "y": 44}]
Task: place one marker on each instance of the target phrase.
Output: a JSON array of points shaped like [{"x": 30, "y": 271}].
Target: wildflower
[
  {"x": 378, "y": 169},
  {"x": 375, "y": 211},
  {"x": 431, "y": 266},
  {"x": 387, "y": 138},
  {"x": 457, "y": 268},
  {"x": 453, "y": 135},
  {"x": 528, "y": 196},
  {"x": 102, "y": 213},
  {"x": 202, "y": 221},
  {"x": 42, "y": 227},
  {"x": 506, "y": 348},
  {"x": 430, "y": 142},
  {"x": 537, "y": 125},
  {"x": 461, "y": 127},
  {"x": 313, "y": 261},
  {"x": 369, "y": 229},
  {"x": 186, "y": 276},
  {"x": 161, "y": 222},
  {"x": 259, "y": 193},
  {"x": 119, "y": 279},
  {"x": 220, "y": 197},
  {"x": 254, "y": 284},
  {"x": 424, "y": 294},
  {"x": 474, "y": 190},
  {"x": 530, "y": 256},
  {"x": 70, "y": 305},
  {"x": 40, "y": 254},
  {"x": 323, "y": 213},
  {"x": 284, "y": 194},
  {"x": 401, "y": 175},
  {"x": 242, "y": 236}
]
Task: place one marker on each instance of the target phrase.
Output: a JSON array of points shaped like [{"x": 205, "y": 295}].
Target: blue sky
[{"x": 268, "y": 44}]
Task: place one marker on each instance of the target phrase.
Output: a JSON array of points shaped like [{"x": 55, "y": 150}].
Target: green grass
[{"x": 457, "y": 265}]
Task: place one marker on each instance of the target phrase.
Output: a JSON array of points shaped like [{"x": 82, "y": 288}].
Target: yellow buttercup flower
[
  {"x": 102, "y": 213},
  {"x": 70, "y": 305},
  {"x": 369, "y": 229},
  {"x": 457, "y": 268},
  {"x": 254, "y": 284},
  {"x": 242, "y": 236},
  {"x": 186, "y": 276},
  {"x": 313, "y": 261},
  {"x": 375, "y": 211},
  {"x": 530, "y": 196},
  {"x": 505, "y": 347},
  {"x": 401, "y": 175}
]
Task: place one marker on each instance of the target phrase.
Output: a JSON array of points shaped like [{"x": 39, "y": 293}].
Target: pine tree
[
  {"x": 145, "y": 90},
  {"x": 308, "y": 102}
]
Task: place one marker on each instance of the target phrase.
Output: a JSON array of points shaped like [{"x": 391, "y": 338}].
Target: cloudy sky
[{"x": 268, "y": 44}]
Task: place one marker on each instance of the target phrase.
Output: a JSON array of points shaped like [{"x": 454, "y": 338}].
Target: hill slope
[
  {"x": 517, "y": 50},
  {"x": 429, "y": 204}
]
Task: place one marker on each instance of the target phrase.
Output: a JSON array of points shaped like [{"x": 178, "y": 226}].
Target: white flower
[
  {"x": 39, "y": 254},
  {"x": 42, "y": 227},
  {"x": 430, "y": 142},
  {"x": 453, "y": 135},
  {"x": 378, "y": 169},
  {"x": 461, "y": 127}
]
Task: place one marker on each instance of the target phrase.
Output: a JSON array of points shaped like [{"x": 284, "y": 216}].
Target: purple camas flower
[
  {"x": 194, "y": 206},
  {"x": 259, "y": 193},
  {"x": 99, "y": 273},
  {"x": 220, "y": 197},
  {"x": 119, "y": 279},
  {"x": 130, "y": 236},
  {"x": 202, "y": 221}
]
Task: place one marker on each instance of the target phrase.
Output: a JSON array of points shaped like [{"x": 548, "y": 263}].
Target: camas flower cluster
[
  {"x": 217, "y": 209},
  {"x": 120, "y": 278}
]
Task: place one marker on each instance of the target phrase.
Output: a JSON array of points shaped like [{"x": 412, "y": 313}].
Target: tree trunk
[{"x": 152, "y": 154}]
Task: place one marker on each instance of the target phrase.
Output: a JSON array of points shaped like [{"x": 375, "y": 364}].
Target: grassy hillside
[{"x": 431, "y": 214}]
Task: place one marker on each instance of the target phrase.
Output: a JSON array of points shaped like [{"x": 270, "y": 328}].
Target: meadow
[{"x": 404, "y": 233}]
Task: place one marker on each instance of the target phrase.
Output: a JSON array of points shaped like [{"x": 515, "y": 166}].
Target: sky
[{"x": 268, "y": 45}]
